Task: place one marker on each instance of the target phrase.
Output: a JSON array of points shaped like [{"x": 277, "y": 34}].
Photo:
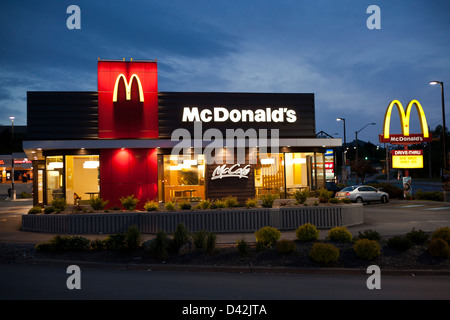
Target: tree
[{"x": 362, "y": 168}]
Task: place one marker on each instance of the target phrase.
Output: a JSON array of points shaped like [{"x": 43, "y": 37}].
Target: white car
[{"x": 362, "y": 194}]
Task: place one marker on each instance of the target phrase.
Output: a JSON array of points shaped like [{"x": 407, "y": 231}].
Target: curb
[{"x": 237, "y": 269}]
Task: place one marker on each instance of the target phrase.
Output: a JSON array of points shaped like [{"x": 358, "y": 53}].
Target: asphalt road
[{"x": 45, "y": 282}]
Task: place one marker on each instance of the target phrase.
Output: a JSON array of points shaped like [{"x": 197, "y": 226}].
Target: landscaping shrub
[
  {"x": 133, "y": 238},
  {"x": 399, "y": 242},
  {"x": 115, "y": 242},
  {"x": 367, "y": 249},
  {"x": 204, "y": 204},
  {"x": 129, "y": 203},
  {"x": 429, "y": 195},
  {"x": 151, "y": 206},
  {"x": 301, "y": 196},
  {"x": 339, "y": 234},
  {"x": 49, "y": 209},
  {"x": 180, "y": 236},
  {"x": 211, "y": 242},
  {"x": 369, "y": 234},
  {"x": 393, "y": 191},
  {"x": 219, "y": 204},
  {"x": 59, "y": 204},
  {"x": 243, "y": 248},
  {"x": 25, "y": 195},
  {"x": 35, "y": 209},
  {"x": 185, "y": 205},
  {"x": 346, "y": 200},
  {"x": 324, "y": 195},
  {"x": 307, "y": 232},
  {"x": 251, "y": 203},
  {"x": 267, "y": 236},
  {"x": 98, "y": 203},
  {"x": 285, "y": 246},
  {"x": 267, "y": 200},
  {"x": 200, "y": 239},
  {"x": 324, "y": 253},
  {"x": 65, "y": 243},
  {"x": 442, "y": 233},
  {"x": 169, "y": 206},
  {"x": 417, "y": 236},
  {"x": 159, "y": 245},
  {"x": 333, "y": 200},
  {"x": 231, "y": 202},
  {"x": 438, "y": 248}
]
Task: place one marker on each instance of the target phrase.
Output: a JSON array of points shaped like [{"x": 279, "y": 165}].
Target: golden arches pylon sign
[
  {"x": 406, "y": 137},
  {"x": 128, "y": 87}
]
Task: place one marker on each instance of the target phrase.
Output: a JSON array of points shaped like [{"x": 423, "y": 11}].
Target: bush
[
  {"x": 115, "y": 242},
  {"x": 35, "y": 209},
  {"x": 151, "y": 206},
  {"x": 211, "y": 242},
  {"x": 393, "y": 191},
  {"x": 267, "y": 236},
  {"x": 251, "y": 203},
  {"x": 307, "y": 232},
  {"x": 399, "y": 242},
  {"x": 25, "y": 195},
  {"x": 49, "y": 209},
  {"x": 301, "y": 196},
  {"x": 204, "y": 204},
  {"x": 180, "y": 236},
  {"x": 429, "y": 195},
  {"x": 59, "y": 204},
  {"x": 133, "y": 238},
  {"x": 160, "y": 245},
  {"x": 367, "y": 249},
  {"x": 129, "y": 203},
  {"x": 285, "y": 246},
  {"x": 242, "y": 247},
  {"x": 339, "y": 234},
  {"x": 346, "y": 200},
  {"x": 200, "y": 239},
  {"x": 65, "y": 243},
  {"x": 231, "y": 202},
  {"x": 442, "y": 233},
  {"x": 324, "y": 253},
  {"x": 169, "y": 206},
  {"x": 417, "y": 236},
  {"x": 333, "y": 200},
  {"x": 267, "y": 200},
  {"x": 438, "y": 248},
  {"x": 324, "y": 195},
  {"x": 97, "y": 203},
  {"x": 369, "y": 234},
  {"x": 218, "y": 204},
  {"x": 185, "y": 205}
]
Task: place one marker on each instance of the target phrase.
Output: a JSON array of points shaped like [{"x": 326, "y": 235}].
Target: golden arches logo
[
  {"x": 128, "y": 87},
  {"x": 405, "y": 117}
]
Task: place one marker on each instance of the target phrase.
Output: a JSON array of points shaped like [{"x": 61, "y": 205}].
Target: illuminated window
[{"x": 82, "y": 178}]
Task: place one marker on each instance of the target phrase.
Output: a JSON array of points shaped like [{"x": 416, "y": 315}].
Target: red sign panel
[
  {"x": 402, "y": 139},
  {"x": 127, "y": 99},
  {"x": 407, "y": 152}
]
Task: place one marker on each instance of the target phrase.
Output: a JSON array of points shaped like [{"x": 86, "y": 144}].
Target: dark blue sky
[{"x": 300, "y": 46}]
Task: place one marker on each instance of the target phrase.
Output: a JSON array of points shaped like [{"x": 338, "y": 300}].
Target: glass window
[
  {"x": 55, "y": 167},
  {"x": 184, "y": 179},
  {"x": 82, "y": 178}
]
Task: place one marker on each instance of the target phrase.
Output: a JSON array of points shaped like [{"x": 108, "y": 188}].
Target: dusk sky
[{"x": 296, "y": 46}]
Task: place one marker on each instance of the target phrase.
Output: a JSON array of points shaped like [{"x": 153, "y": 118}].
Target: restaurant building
[{"x": 127, "y": 138}]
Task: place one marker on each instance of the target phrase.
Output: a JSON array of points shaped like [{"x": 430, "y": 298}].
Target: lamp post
[
  {"x": 345, "y": 143},
  {"x": 443, "y": 121},
  {"x": 356, "y": 137},
  {"x": 12, "y": 192}
]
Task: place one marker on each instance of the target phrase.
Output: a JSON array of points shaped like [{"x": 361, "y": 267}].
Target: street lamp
[
  {"x": 356, "y": 137},
  {"x": 12, "y": 192},
  {"x": 443, "y": 119},
  {"x": 344, "y": 158}
]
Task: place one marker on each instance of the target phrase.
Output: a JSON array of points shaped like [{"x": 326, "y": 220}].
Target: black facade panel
[
  {"x": 171, "y": 106},
  {"x": 62, "y": 115}
]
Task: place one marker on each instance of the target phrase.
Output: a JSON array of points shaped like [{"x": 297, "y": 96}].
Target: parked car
[
  {"x": 331, "y": 186},
  {"x": 362, "y": 194}
]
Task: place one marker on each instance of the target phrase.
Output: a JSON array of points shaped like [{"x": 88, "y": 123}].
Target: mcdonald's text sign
[
  {"x": 405, "y": 138},
  {"x": 127, "y": 99}
]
